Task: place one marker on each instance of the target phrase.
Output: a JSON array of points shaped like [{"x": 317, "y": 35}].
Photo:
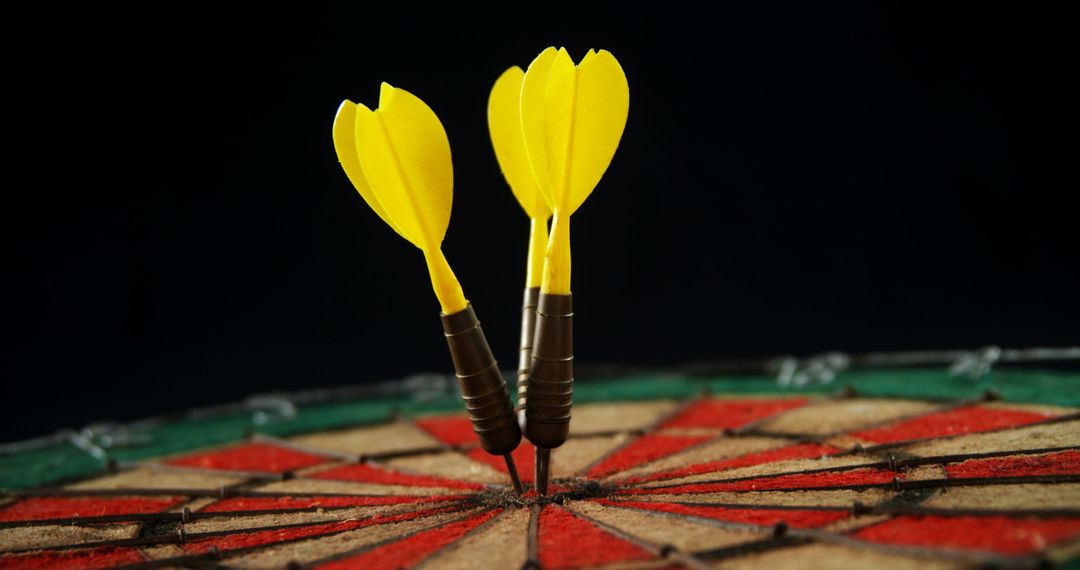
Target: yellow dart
[
  {"x": 508, "y": 138},
  {"x": 572, "y": 119},
  {"x": 398, "y": 158}
]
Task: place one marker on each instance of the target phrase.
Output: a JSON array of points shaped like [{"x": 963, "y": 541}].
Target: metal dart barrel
[
  {"x": 487, "y": 399},
  {"x": 528, "y": 328}
]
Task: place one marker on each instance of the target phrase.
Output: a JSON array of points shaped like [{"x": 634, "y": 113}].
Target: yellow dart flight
[
  {"x": 398, "y": 158},
  {"x": 572, "y": 118}
]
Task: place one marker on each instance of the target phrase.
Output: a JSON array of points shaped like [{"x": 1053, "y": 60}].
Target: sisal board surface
[
  {"x": 504, "y": 541},
  {"x": 448, "y": 464},
  {"x": 833, "y": 416},
  {"x": 1023, "y": 496},
  {"x": 392, "y": 437},
  {"x": 1058, "y": 434},
  {"x": 617, "y": 416},
  {"x": 578, "y": 453},
  {"x": 660, "y": 529},
  {"x": 832, "y": 557},
  {"x": 148, "y": 478},
  {"x": 41, "y": 536}
]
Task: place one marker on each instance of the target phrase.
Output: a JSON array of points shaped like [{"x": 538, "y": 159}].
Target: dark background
[{"x": 791, "y": 180}]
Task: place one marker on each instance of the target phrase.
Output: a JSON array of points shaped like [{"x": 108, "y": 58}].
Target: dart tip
[
  {"x": 514, "y": 477},
  {"x": 543, "y": 461}
]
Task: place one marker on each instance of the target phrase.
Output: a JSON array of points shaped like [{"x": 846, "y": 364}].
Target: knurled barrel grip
[
  {"x": 528, "y": 328},
  {"x": 551, "y": 376},
  {"x": 482, "y": 386}
]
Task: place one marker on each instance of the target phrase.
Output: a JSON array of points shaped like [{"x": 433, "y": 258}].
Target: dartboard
[{"x": 882, "y": 468}]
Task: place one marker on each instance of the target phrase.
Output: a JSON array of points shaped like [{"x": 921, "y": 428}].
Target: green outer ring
[{"x": 63, "y": 461}]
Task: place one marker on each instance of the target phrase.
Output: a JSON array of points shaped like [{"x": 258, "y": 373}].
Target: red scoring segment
[
  {"x": 43, "y": 508},
  {"x": 85, "y": 559},
  {"x": 731, "y": 414},
  {"x": 645, "y": 449},
  {"x": 451, "y": 430},
  {"x": 1004, "y": 535},
  {"x": 368, "y": 473},
  {"x": 957, "y": 421},
  {"x": 1060, "y": 463},
  {"x": 567, "y": 541},
  {"x": 410, "y": 550},
  {"x": 801, "y": 451},
  {"x": 250, "y": 457},
  {"x": 796, "y": 518}
]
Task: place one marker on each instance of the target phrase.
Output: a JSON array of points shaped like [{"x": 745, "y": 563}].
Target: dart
[
  {"x": 572, "y": 119},
  {"x": 398, "y": 158},
  {"x": 504, "y": 123}
]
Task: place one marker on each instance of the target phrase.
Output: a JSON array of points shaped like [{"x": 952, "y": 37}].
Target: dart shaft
[
  {"x": 511, "y": 468},
  {"x": 543, "y": 469}
]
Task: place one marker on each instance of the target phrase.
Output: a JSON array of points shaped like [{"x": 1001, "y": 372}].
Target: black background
[{"x": 791, "y": 180}]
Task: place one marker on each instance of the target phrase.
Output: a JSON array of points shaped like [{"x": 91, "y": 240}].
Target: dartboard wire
[
  {"x": 214, "y": 554},
  {"x": 750, "y": 547},
  {"x": 655, "y": 428},
  {"x": 182, "y": 536},
  {"x": 660, "y": 551},
  {"x": 532, "y": 539},
  {"x": 783, "y": 536},
  {"x": 220, "y": 492},
  {"x": 652, "y": 428},
  {"x": 472, "y": 532},
  {"x": 168, "y": 516},
  {"x": 892, "y": 463},
  {"x": 898, "y": 484},
  {"x": 750, "y": 430},
  {"x": 263, "y": 477},
  {"x": 727, "y": 433},
  {"x": 369, "y": 547},
  {"x": 1071, "y": 417},
  {"x": 858, "y": 509}
]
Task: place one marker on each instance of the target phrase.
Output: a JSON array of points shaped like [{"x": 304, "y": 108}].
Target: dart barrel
[
  {"x": 551, "y": 375},
  {"x": 528, "y": 327},
  {"x": 482, "y": 386}
]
